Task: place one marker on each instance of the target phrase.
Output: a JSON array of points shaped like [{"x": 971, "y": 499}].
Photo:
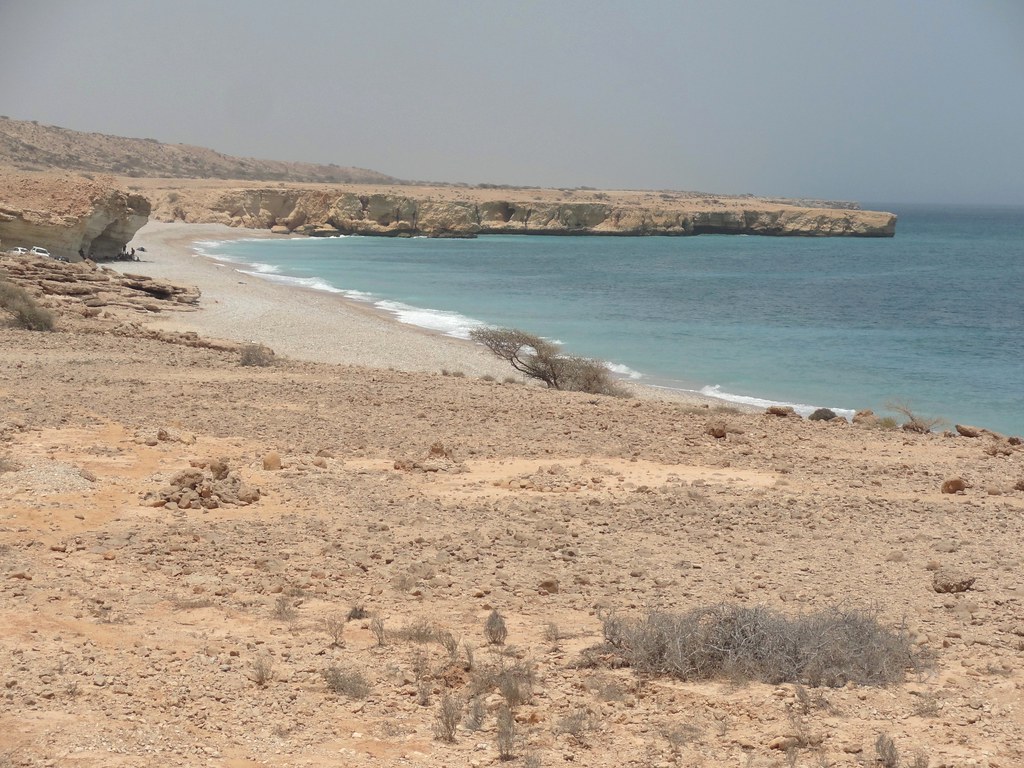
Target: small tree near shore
[{"x": 542, "y": 360}]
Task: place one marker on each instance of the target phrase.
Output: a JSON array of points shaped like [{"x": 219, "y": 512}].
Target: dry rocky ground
[{"x": 183, "y": 541}]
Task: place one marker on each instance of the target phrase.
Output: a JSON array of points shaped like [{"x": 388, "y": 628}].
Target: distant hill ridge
[{"x": 30, "y": 146}]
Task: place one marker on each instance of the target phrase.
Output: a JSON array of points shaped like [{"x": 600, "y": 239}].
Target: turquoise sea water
[{"x": 933, "y": 318}]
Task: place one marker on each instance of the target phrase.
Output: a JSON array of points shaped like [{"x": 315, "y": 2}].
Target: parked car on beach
[
  {"x": 39, "y": 251},
  {"x": 19, "y": 251}
]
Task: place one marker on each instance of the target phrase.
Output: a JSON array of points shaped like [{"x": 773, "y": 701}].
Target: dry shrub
[
  {"x": 494, "y": 629},
  {"x": 449, "y": 712},
  {"x": 284, "y": 609},
  {"x": 506, "y": 734},
  {"x": 256, "y": 355},
  {"x": 334, "y": 626},
  {"x": 577, "y": 724},
  {"x": 475, "y": 714},
  {"x": 418, "y": 631},
  {"x": 262, "y": 671},
  {"x": 450, "y": 643},
  {"x": 887, "y": 754},
  {"x": 377, "y": 627},
  {"x": 915, "y": 422},
  {"x": 357, "y": 612},
  {"x": 347, "y": 682},
  {"x": 26, "y": 311},
  {"x": 513, "y": 681},
  {"x": 827, "y": 648}
]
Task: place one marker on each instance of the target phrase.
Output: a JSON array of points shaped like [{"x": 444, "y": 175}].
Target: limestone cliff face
[
  {"x": 317, "y": 212},
  {"x": 65, "y": 214}
]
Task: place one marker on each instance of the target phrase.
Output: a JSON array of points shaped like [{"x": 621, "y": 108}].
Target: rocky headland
[
  {"x": 68, "y": 213},
  {"x": 468, "y": 212},
  {"x": 110, "y": 184}
]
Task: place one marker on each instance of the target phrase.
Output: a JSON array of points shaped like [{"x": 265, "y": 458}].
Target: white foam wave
[
  {"x": 448, "y": 323},
  {"x": 624, "y": 370},
  {"x": 803, "y": 409},
  {"x": 262, "y": 269},
  {"x": 314, "y": 283},
  {"x": 360, "y": 295}
]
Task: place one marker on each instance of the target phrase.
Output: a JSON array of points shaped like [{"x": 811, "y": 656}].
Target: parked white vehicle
[
  {"x": 39, "y": 251},
  {"x": 19, "y": 251}
]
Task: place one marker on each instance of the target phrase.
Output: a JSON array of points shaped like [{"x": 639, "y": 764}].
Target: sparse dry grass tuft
[
  {"x": 347, "y": 682},
  {"x": 256, "y": 355},
  {"x": 25, "y": 309}
]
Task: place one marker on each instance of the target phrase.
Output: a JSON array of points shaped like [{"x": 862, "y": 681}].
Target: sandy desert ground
[{"x": 352, "y": 490}]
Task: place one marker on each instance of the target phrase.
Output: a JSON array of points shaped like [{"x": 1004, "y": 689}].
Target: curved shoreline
[{"x": 309, "y": 324}]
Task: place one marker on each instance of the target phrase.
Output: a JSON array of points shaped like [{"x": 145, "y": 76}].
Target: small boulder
[
  {"x": 187, "y": 478},
  {"x": 823, "y": 414},
  {"x": 272, "y": 461},
  {"x": 954, "y": 485},
  {"x": 866, "y": 417},
  {"x": 549, "y": 585},
  {"x": 968, "y": 431},
  {"x": 247, "y": 494},
  {"x": 218, "y": 468},
  {"x": 949, "y": 581},
  {"x": 716, "y": 429},
  {"x": 781, "y": 410}
]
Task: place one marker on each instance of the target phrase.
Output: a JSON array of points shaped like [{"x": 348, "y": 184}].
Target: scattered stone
[
  {"x": 967, "y": 431},
  {"x": 196, "y": 488},
  {"x": 272, "y": 461},
  {"x": 786, "y": 411}
]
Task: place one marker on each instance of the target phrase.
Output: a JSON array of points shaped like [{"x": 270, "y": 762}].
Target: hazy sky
[{"x": 872, "y": 100}]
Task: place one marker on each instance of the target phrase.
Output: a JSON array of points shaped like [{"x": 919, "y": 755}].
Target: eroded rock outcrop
[
  {"x": 68, "y": 214},
  {"x": 88, "y": 290}
]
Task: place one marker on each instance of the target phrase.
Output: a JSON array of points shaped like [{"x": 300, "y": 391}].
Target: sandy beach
[
  {"x": 306, "y": 324},
  {"x": 205, "y": 563},
  {"x": 294, "y": 322}
]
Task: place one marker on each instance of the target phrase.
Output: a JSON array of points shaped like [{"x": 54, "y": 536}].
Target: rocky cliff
[
  {"x": 325, "y": 212},
  {"x": 67, "y": 213}
]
